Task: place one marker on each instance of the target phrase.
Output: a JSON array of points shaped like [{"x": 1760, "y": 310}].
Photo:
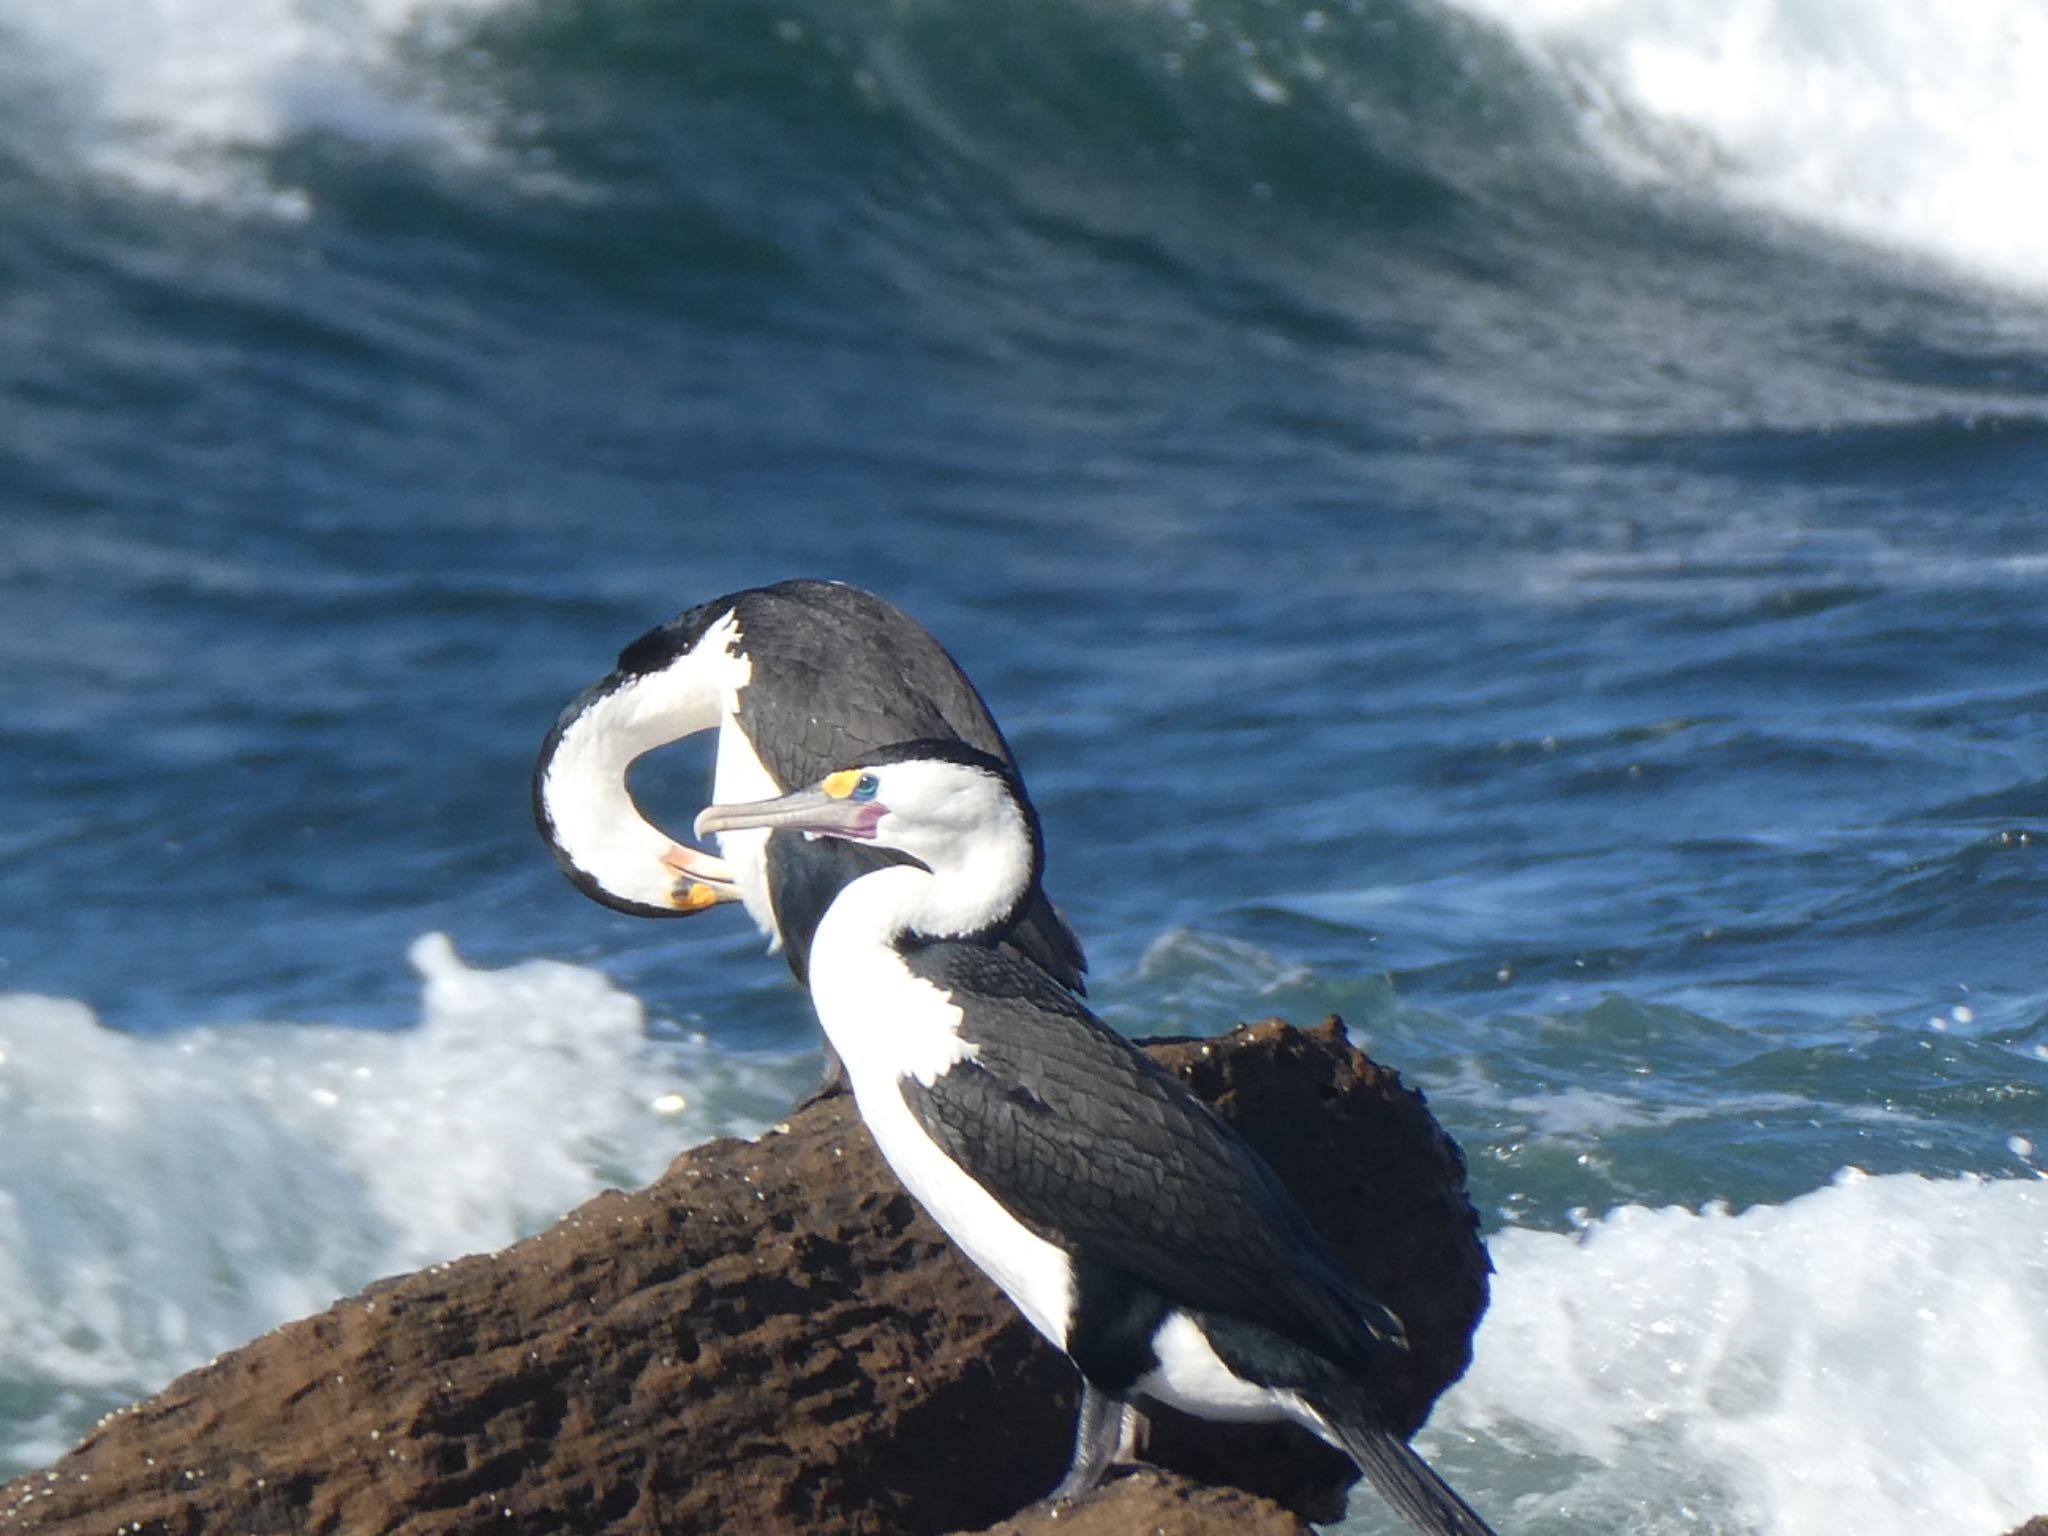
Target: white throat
[
  {"x": 596, "y": 824},
  {"x": 978, "y": 858}
]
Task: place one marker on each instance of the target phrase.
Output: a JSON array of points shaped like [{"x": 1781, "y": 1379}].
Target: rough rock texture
[
  {"x": 770, "y": 1337},
  {"x": 1387, "y": 1186},
  {"x": 1149, "y": 1502}
]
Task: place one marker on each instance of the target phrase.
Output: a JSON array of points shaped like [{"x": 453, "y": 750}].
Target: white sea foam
[
  {"x": 1914, "y": 125},
  {"x": 1869, "y": 1357},
  {"x": 184, "y": 98},
  {"x": 163, "y": 1199}
]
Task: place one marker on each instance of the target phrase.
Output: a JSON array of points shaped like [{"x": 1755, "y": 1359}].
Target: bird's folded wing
[{"x": 1085, "y": 1139}]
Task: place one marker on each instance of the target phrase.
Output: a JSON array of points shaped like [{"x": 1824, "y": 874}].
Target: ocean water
[{"x": 1522, "y": 525}]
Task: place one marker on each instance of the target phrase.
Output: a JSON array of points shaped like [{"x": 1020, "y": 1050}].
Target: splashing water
[
  {"x": 1915, "y": 127},
  {"x": 186, "y": 98},
  {"x": 1870, "y": 1356},
  {"x": 163, "y": 1199}
]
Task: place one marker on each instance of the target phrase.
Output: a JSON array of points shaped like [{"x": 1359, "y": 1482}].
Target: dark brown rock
[
  {"x": 1382, "y": 1181},
  {"x": 770, "y": 1337},
  {"x": 1150, "y": 1502}
]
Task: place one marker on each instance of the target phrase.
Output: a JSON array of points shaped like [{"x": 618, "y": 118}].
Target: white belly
[
  {"x": 1029, "y": 1270},
  {"x": 888, "y": 1025}
]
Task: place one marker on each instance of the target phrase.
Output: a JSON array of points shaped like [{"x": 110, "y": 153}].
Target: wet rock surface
[{"x": 771, "y": 1337}]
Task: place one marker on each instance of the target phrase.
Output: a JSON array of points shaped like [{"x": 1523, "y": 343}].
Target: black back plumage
[
  {"x": 838, "y": 673},
  {"x": 1093, "y": 1145}
]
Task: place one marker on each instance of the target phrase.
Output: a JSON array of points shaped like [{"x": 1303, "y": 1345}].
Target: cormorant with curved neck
[{"x": 795, "y": 678}]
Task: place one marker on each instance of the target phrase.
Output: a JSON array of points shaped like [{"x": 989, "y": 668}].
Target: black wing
[
  {"x": 1081, "y": 1135},
  {"x": 854, "y": 674}
]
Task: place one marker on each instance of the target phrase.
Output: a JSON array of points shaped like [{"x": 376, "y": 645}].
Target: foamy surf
[
  {"x": 1908, "y": 125},
  {"x": 165, "y": 1198},
  {"x": 1868, "y": 1357},
  {"x": 186, "y": 99}
]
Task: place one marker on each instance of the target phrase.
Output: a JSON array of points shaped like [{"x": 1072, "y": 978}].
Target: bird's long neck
[
  {"x": 885, "y": 1022},
  {"x": 972, "y": 893}
]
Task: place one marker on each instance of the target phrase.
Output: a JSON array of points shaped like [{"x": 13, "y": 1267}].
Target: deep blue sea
[{"x": 1524, "y": 525}]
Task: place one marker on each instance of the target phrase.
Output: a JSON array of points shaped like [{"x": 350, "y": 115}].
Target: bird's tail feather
[{"x": 1406, "y": 1481}]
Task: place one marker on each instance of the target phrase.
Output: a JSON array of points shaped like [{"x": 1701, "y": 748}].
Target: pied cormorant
[
  {"x": 1130, "y": 1225},
  {"x": 797, "y": 678}
]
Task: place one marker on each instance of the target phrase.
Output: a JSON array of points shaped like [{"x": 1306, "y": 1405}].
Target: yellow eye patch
[{"x": 841, "y": 784}]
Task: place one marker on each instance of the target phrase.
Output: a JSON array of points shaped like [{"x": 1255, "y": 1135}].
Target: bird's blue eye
[{"x": 865, "y": 786}]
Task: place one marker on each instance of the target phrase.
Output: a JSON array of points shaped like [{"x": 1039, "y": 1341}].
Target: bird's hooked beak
[
  {"x": 823, "y": 809},
  {"x": 702, "y": 879}
]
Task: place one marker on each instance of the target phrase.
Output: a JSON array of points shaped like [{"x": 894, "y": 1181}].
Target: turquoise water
[{"x": 1463, "y": 528}]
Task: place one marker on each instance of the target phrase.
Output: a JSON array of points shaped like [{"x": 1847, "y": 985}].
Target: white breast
[
  {"x": 888, "y": 1027},
  {"x": 737, "y": 777},
  {"x": 737, "y": 773}
]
